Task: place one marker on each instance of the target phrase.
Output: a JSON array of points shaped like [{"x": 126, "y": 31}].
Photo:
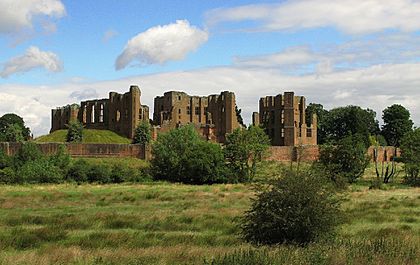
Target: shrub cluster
[{"x": 29, "y": 165}]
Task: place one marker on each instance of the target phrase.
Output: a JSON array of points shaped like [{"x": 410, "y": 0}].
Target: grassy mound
[{"x": 89, "y": 136}]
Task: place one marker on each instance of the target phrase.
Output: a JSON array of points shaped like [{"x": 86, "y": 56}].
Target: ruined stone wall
[
  {"x": 283, "y": 117},
  {"x": 212, "y": 115},
  {"x": 60, "y": 117},
  {"x": 120, "y": 113},
  {"x": 86, "y": 150}
]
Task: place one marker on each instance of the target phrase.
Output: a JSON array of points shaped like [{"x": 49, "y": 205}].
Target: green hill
[{"x": 89, "y": 136}]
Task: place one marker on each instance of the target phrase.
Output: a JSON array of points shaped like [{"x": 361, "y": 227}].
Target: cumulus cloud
[
  {"x": 19, "y": 15},
  {"x": 161, "y": 44},
  {"x": 354, "y": 17},
  {"x": 33, "y": 58}
]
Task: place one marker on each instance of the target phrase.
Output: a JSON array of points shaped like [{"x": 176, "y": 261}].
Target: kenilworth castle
[{"x": 214, "y": 116}]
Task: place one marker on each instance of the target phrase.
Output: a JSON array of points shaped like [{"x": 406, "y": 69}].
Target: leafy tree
[
  {"x": 321, "y": 114},
  {"x": 297, "y": 208},
  {"x": 397, "y": 123},
  {"x": 182, "y": 156},
  {"x": 345, "y": 160},
  {"x": 61, "y": 159},
  {"x": 244, "y": 149},
  {"x": 410, "y": 154},
  {"x": 14, "y": 133},
  {"x": 74, "y": 132},
  {"x": 10, "y": 119},
  {"x": 5, "y": 160},
  {"x": 142, "y": 134},
  {"x": 28, "y": 152},
  {"x": 350, "y": 120}
]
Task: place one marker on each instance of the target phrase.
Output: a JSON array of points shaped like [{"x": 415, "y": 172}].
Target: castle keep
[
  {"x": 214, "y": 116},
  {"x": 120, "y": 113},
  {"x": 283, "y": 117}
]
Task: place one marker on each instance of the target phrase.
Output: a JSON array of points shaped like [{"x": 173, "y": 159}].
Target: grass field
[
  {"x": 161, "y": 223},
  {"x": 89, "y": 136}
]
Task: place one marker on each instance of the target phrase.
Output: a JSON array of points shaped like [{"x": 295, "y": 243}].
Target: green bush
[
  {"x": 99, "y": 173},
  {"x": 39, "y": 171},
  {"x": 182, "y": 156},
  {"x": 61, "y": 159},
  {"x": 5, "y": 160},
  {"x": 142, "y": 134},
  {"x": 78, "y": 171},
  {"x": 8, "y": 176},
  {"x": 346, "y": 159},
  {"x": 297, "y": 208},
  {"x": 410, "y": 154},
  {"x": 74, "y": 132},
  {"x": 29, "y": 151}
]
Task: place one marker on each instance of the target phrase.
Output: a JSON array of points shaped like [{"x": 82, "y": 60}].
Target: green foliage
[
  {"x": 378, "y": 140},
  {"x": 397, "y": 123},
  {"x": 410, "y": 154},
  {"x": 74, "y": 132},
  {"x": 244, "y": 149},
  {"x": 78, "y": 171},
  {"x": 182, "y": 156},
  {"x": 350, "y": 120},
  {"x": 297, "y": 208},
  {"x": 142, "y": 134},
  {"x": 14, "y": 133},
  {"x": 29, "y": 151},
  {"x": 39, "y": 171},
  {"x": 13, "y": 127},
  {"x": 321, "y": 115},
  {"x": 345, "y": 160},
  {"x": 8, "y": 176},
  {"x": 61, "y": 159},
  {"x": 5, "y": 160}
]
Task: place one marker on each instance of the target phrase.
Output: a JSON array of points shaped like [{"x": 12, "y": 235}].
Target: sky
[{"x": 336, "y": 53}]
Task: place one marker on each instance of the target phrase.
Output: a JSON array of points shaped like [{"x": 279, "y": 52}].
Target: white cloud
[
  {"x": 33, "y": 58},
  {"x": 88, "y": 93},
  {"x": 350, "y": 16},
  {"x": 19, "y": 15},
  {"x": 161, "y": 44}
]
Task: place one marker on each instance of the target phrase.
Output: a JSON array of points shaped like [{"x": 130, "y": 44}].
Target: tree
[
  {"x": 410, "y": 154},
  {"x": 74, "y": 131},
  {"x": 297, "y": 208},
  {"x": 397, "y": 123},
  {"x": 182, "y": 156},
  {"x": 350, "y": 120},
  {"x": 244, "y": 149},
  {"x": 321, "y": 115},
  {"x": 142, "y": 134},
  {"x": 14, "y": 133},
  {"x": 12, "y": 121},
  {"x": 345, "y": 160}
]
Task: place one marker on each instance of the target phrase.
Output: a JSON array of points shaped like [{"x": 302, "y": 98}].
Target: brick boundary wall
[
  {"x": 276, "y": 153},
  {"x": 86, "y": 150}
]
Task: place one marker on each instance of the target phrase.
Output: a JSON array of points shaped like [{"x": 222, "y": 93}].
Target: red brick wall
[{"x": 87, "y": 150}]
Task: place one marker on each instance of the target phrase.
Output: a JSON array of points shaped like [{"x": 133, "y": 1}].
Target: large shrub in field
[
  {"x": 297, "y": 208},
  {"x": 39, "y": 171},
  {"x": 74, "y": 132},
  {"x": 182, "y": 156},
  {"x": 346, "y": 159},
  {"x": 28, "y": 152},
  {"x": 142, "y": 134},
  {"x": 410, "y": 154}
]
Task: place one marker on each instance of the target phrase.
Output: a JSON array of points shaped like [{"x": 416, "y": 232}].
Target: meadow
[{"x": 162, "y": 223}]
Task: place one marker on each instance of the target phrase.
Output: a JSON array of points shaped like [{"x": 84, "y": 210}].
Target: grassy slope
[
  {"x": 163, "y": 223},
  {"x": 89, "y": 136}
]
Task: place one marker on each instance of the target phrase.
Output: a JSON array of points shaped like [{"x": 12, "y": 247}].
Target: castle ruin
[
  {"x": 120, "y": 113},
  {"x": 283, "y": 118}
]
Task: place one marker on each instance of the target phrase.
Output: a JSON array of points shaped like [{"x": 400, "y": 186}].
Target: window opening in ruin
[
  {"x": 282, "y": 132},
  {"x": 309, "y": 132},
  {"x": 101, "y": 113},
  {"x": 188, "y": 110},
  {"x": 197, "y": 110},
  {"x": 179, "y": 111},
  {"x": 118, "y": 116},
  {"x": 92, "y": 115},
  {"x": 179, "y": 97},
  {"x": 84, "y": 114},
  {"x": 282, "y": 116},
  {"x": 140, "y": 114},
  {"x": 223, "y": 109}
]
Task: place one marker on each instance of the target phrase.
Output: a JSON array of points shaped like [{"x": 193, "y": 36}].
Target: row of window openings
[{"x": 308, "y": 133}]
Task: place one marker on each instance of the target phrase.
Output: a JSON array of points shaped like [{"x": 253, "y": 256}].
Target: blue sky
[{"x": 56, "y": 52}]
